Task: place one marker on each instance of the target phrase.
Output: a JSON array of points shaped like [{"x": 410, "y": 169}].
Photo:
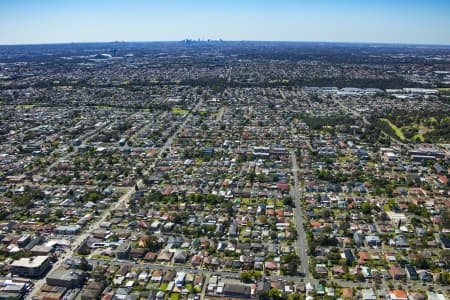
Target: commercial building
[
  {"x": 66, "y": 278},
  {"x": 31, "y": 267},
  {"x": 68, "y": 229}
]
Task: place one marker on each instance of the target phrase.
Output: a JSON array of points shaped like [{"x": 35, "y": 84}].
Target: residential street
[{"x": 301, "y": 243}]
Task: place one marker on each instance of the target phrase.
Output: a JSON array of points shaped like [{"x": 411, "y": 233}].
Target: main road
[
  {"x": 120, "y": 203},
  {"x": 301, "y": 243}
]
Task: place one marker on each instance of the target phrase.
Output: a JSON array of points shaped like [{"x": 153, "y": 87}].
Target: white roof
[{"x": 32, "y": 262}]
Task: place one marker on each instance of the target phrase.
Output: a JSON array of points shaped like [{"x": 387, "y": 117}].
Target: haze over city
[{"x": 382, "y": 21}]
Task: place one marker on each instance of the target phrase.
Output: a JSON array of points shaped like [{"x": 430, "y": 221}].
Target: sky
[{"x": 379, "y": 21}]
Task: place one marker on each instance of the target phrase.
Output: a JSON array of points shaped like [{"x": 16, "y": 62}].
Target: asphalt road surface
[{"x": 301, "y": 243}]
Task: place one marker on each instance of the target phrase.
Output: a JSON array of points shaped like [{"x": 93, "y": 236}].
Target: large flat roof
[{"x": 30, "y": 262}]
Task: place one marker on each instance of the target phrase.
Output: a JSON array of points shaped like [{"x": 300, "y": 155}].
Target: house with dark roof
[
  {"x": 92, "y": 290},
  {"x": 137, "y": 253},
  {"x": 169, "y": 276},
  {"x": 123, "y": 250},
  {"x": 411, "y": 272},
  {"x": 180, "y": 256},
  {"x": 236, "y": 290},
  {"x": 445, "y": 242},
  {"x": 349, "y": 256}
]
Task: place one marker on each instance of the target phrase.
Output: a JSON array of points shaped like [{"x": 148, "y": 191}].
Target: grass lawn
[
  {"x": 241, "y": 235},
  {"x": 163, "y": 287},
  {"x": 253, "y": 201},
  {"x": 279, "y": 81},
  {"x": 371, "y": 164},
  {"x": 150, "y": 285},
  {"x": 98, "y": 256},
  {"x": 175, "y": 296},
  {"x": 397, "y": 130},
  {"x": 346, "y": 158},
  {"x": 316, "y": 210},
  {"x": 418, "y": 136},
  {"x": 102, "y": 106},
  {"x": 6, "y": 83},
  {"x": 179, "y": 111},
  {"x": 25, "y": 106}
]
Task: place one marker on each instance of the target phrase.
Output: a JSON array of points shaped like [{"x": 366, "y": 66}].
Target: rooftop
[{"x": 30, "y": 262}]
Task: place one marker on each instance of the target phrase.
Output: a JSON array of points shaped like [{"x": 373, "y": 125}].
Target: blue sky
[{"x": 391, "y": 21}]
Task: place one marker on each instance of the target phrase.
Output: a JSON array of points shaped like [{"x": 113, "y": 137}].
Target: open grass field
[
  {"x": 444, "y": 89},
  {"x": 279, "y": 81},
  {"x": 415, "y": 129},
  {"x": 179, "y": 111},
  {"x": 419, "y": 137},
  {"x": 102, "y": 106},
  {"x": 397, "y": 130},
  {"x": 26, "y": 106},
  {"x": 6, "y": 83}
]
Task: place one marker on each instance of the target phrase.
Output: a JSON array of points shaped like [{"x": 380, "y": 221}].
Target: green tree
[
  {"x": 445, "y": 278},
  {"x": 288, "y": 201},
  {"x": 59, "y": 213},
  {"x": 366, "y": 208},
  {"x": 274, "y": 294},
  {"x": 153, "y": 244},
  {"x": 257, "y": 275},
  {"x": 246, "y": 277},
  {"x": 92, "y": 197},
  {"x": 263, "y": 295},
  {"x": 295, "y": 296},
  {"x": 290, "y": 264},
  {"x": 419, "y": 261}
]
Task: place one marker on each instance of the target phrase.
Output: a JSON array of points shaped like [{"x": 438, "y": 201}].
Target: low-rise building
[
  {"x": 236, "y": 290},
  {"x": 123, "y": 250},
  {"x": 68, "y": 229},
  {"x": 31, "y": 267},
  {"x": 65, "y": 278}
]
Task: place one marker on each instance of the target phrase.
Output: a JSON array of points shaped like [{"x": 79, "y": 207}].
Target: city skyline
[{"x": 49, "y": 21}]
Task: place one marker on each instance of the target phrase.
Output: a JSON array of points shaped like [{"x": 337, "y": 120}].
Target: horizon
[
  {"x": 27, "y": 22},
  {"x": 228, "y": 41}
]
